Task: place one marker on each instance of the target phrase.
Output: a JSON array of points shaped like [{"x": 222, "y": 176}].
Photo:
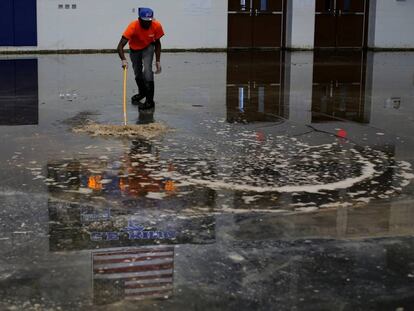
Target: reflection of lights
[
  {"x": 260, "y": 136},
  {"x": 94, "y": 182},
  {"x": 170, "y": 185},
  {"x": 342, "y": 133},
  {"x": 241, "y": 99}
]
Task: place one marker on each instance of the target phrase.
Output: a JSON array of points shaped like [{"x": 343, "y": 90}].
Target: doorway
[
  {"x": 256, "y": 23},
  {"x": 341, "y": 23}
]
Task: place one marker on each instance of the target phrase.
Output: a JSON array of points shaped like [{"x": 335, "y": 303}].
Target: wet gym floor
[{"x": 284, "y": 183}]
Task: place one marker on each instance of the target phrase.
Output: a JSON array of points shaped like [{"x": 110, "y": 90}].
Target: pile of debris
[{"x": 145, "y": 131}]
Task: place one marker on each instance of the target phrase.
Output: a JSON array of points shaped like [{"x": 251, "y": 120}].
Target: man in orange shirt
[{"x": 143, "y": 36}]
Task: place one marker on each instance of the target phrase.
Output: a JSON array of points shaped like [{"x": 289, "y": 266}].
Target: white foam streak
[{"x": 368, "y": 171}]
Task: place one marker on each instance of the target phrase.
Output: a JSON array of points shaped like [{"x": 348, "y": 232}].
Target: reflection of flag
[{"x": 133, "y": 273}]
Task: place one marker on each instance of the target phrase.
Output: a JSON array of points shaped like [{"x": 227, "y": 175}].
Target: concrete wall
[
  {"x": 99, "y": 24},
  {"x": 394, "y": 24},
  {"x": 300, "y": 28}
]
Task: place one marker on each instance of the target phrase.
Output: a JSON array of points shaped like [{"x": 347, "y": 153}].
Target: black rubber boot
[
  {"x": 142, "y": 89},
  {"x": 145, "y": 116},
  {"x": 149, "y": 102}
]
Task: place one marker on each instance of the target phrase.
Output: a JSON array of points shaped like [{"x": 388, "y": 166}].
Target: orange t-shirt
[{"x": 139, "y": 38}]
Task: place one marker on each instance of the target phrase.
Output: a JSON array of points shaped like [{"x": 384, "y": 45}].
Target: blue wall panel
[
  {"x": 18, "y": 24},
  {"x": 25, "y": 23},
  {"x": 6, "y": 23}
]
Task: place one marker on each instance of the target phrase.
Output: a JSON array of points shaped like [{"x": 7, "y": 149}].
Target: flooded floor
[{"x": 284, "y": 182}]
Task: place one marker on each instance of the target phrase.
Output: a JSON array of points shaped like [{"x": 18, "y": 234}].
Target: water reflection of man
[
  {"x": 138, "y": 180},
  {"x": 143, "y": 36}
]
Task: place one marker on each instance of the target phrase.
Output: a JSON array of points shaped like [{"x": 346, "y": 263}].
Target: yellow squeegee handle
[{"x": 125, "y": 91}]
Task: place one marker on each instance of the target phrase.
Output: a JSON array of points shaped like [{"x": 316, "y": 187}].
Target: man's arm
[
  {"x": 158, "y": 50},
  {"x": 158, "y": 55},
  {"x": 120, "y": 50}
]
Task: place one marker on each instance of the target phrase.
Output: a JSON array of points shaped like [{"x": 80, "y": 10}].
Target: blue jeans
[{"x": 142, "y": 63}]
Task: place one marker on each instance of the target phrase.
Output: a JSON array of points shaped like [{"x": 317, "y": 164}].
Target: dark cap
[{"x": 146, "y": 14}]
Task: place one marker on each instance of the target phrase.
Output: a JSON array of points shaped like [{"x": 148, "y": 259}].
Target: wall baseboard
[
  {"x": 200, "y": 50},
  {"x": 102, "y": 51}
]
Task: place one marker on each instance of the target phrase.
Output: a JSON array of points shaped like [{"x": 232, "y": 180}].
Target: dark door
[
  {"x": 268, "y": 23},
  {"x": 18, "y": 26},
  {"x": 340, "y": 23},
  {"x": 339, "y": 86},
  {"x": 255, "y": 23},
  {"x": 19, "y": 101},
  {"x": 240, "y": 23},
  {"x": 254, "y": 86}
]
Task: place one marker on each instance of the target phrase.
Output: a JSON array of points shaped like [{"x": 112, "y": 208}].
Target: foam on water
[{"x": 368, "y": 171}]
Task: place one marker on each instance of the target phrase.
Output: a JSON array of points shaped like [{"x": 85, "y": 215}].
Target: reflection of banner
[
  {"x": 133, "y": 273},
  {"x": 76, "y": 226}
]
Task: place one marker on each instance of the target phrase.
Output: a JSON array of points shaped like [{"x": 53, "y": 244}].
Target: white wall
[
  {"x": 189, "y": 24},
  {"x": 300, "y": 24},
  {"x": 99, "y": 24},
  {"x": 394, "y": 24}
]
